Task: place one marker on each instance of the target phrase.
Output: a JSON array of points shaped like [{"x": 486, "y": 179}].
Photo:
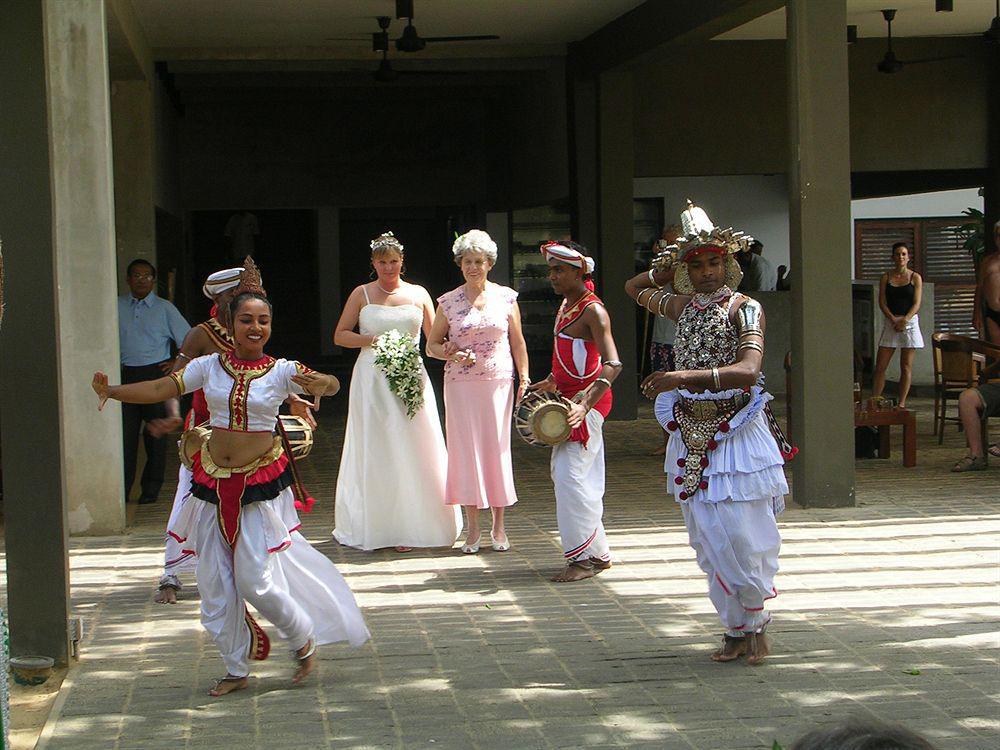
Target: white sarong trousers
[
  {"x": 737, "y": 545},
  {"x": 578, "y": 477},
  {"x": 299, "y": 590},
  {"x": 175, "y": 559}
]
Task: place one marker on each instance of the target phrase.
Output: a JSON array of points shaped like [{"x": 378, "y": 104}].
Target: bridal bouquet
[{"x": 396, "y": 355}]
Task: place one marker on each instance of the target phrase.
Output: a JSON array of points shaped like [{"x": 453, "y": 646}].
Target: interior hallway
[{"x": 481, "y": 652}]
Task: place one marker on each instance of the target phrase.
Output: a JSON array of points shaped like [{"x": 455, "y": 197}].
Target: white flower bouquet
[{"x": 397, "y": 356}]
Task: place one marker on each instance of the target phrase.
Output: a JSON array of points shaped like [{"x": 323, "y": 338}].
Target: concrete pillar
[
  {"x": 132, "y": 136},
  {"x": 616, "y": 170},
  {"x": 83, "y": 230},
  {"x": 991, "y": 193},
  {"x": 33, "y": 479},
  {"x": 820, "y": 196}
]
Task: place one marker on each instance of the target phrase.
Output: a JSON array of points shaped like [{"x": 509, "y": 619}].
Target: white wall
[
  {"x": 757, "y": 204},
  {"x": 922, "y": 205}
]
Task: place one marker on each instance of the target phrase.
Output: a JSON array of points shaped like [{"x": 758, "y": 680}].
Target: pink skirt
[{"x": 477, "y": 420}]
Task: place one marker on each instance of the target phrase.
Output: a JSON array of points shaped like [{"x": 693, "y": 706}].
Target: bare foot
[
  {"x": 758, "y": 648},
  {"x": 731, "y": 649},
  {"x": 599, "y": 564},
  {"x": 403, "y": 548},
  {"x": 575, "y": 571},
  {"x": 306, "y": 657},
  {"x": 228, "y": 684},
  {"x": 166, "y": 595}
]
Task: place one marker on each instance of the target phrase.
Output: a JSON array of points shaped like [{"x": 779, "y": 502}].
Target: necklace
[{"x": 386, "y": 290}]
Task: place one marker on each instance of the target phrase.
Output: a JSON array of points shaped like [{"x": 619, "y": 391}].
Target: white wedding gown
[{"x": 390, "y": 490}]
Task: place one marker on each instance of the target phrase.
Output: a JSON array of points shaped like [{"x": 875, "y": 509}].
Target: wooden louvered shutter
[
  {"x": 873, "y": 241},
  {"x": 950, "y": 268}
]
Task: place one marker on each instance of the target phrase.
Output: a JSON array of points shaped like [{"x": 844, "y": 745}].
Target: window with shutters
[{"x": 939, "y": 258}]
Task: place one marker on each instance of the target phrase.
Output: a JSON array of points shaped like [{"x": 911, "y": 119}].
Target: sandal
[
  {"x": 472, "y": 549},
  {"x": 994, "y": 450},
  {"x": 969, "y": 463},
  {"x": 732, "y": 648},
  {"x": 503, "y": 546}
]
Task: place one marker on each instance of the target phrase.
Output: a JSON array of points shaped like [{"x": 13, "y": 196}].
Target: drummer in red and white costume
[{"x": 584, "y": 364}]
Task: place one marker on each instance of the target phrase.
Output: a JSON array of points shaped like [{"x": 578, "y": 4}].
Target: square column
[
  {"x": 820, "y": 214},
  {"x": 61, "y": 459}
]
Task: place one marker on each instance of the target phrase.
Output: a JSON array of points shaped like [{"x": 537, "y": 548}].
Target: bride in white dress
[{"x": 390, "y": 489}]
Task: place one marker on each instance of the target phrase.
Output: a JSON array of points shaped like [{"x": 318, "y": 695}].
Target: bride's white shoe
[
  {"x": 500, "y": 546},
  {"x": 472, "y": 549}
]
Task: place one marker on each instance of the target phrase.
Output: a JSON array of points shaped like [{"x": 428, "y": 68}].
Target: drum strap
[{"x": 303, "y": 500}]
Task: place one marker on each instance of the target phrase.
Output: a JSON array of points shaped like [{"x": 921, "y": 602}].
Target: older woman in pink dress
[{"x": 477, "y": 331}]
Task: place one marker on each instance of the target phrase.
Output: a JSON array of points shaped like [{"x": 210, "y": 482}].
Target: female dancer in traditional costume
[
  {"x": 241, "y": 521},
  {"x": 390, "y": 489},
  {"x": 725, "y": 454},
  {"x": 477, "y": 331},
  {"x": 208, "y": 337}
]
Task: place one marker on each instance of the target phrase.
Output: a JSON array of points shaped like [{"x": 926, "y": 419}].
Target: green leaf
[
  {"x": 911, "y": 670},
  {"x": 487, "y": 606},
  {"x": 776, "y": 746}
]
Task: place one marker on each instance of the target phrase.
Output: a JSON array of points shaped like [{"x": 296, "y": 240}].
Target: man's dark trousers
[{"x": 133, "y": 415}]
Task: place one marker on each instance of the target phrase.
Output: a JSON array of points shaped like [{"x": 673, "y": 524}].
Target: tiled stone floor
[{"x": 887, "y": 610}]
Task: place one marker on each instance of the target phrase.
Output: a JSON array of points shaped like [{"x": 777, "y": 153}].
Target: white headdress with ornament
[
  {"x": 702, "y": 236},
  {"x": 221, "y": 281}
]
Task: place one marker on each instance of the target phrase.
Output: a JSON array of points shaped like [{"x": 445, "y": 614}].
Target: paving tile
[{"x": 485, "y": 651}]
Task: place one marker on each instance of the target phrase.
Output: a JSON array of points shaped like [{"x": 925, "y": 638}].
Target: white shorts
[{"x": 908, "y": 338}]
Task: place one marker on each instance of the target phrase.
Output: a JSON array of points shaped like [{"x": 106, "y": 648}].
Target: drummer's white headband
[
  {"x": 221, "y": 281},
  {"x": 568, "y": 255}
]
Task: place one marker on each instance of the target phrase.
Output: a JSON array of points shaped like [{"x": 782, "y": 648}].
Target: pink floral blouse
[{"x": 483, "y": 331}]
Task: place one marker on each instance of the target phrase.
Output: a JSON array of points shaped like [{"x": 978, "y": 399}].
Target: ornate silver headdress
[
  {"x": 701, "y": 234},
  {"x": 386, "y": 240}
]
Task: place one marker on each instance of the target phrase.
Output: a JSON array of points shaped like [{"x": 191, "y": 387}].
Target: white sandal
[
  {"x": 500, "y": 546},
  {"x": 472, "y": 549}
]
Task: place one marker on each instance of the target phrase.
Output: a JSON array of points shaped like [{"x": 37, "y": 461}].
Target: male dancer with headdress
[
  {"x": 584, "y": 364},
  {"x": 208, "y": 337},
  {"x": 725, "y": 454}
]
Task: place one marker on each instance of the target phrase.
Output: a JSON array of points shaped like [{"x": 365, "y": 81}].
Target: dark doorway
[
  {"x": 284, "y": 248},
  {"x": 169, "y": 258},
  {"x": 427, "y": 235}
]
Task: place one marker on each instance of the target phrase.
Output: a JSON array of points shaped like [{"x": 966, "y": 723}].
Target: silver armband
[
  {"x": 652, "y": 280},
  {"x": 638, "y": 297},
  {"x": 715, "y": 379},
  {"x": 613, "y": 363},
  {"x": 749, "y": 319},
  {"x": 755, "y": 345}
]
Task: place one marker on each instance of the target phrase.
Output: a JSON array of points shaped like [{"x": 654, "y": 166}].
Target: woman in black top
[{"x": 899, "y": 292}]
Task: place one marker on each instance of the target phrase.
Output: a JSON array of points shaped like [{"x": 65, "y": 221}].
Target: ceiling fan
[
  {"x": 411, "y": 41},
  {"x": 892, "y": 64},
  {"x": 385, "y": 73}
]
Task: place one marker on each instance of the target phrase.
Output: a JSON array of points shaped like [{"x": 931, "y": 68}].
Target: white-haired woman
[{"x": 477, "y": 331}]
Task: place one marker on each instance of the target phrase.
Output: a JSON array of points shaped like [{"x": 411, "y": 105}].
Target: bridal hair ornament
[
  {"x": 700, "y": 236},
  {"x": 385, "y": 241},
  {"x": 250, "y": 281}
]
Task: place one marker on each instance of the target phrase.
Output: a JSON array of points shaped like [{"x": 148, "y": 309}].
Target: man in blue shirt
[{"x": 146, "y": 327}]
